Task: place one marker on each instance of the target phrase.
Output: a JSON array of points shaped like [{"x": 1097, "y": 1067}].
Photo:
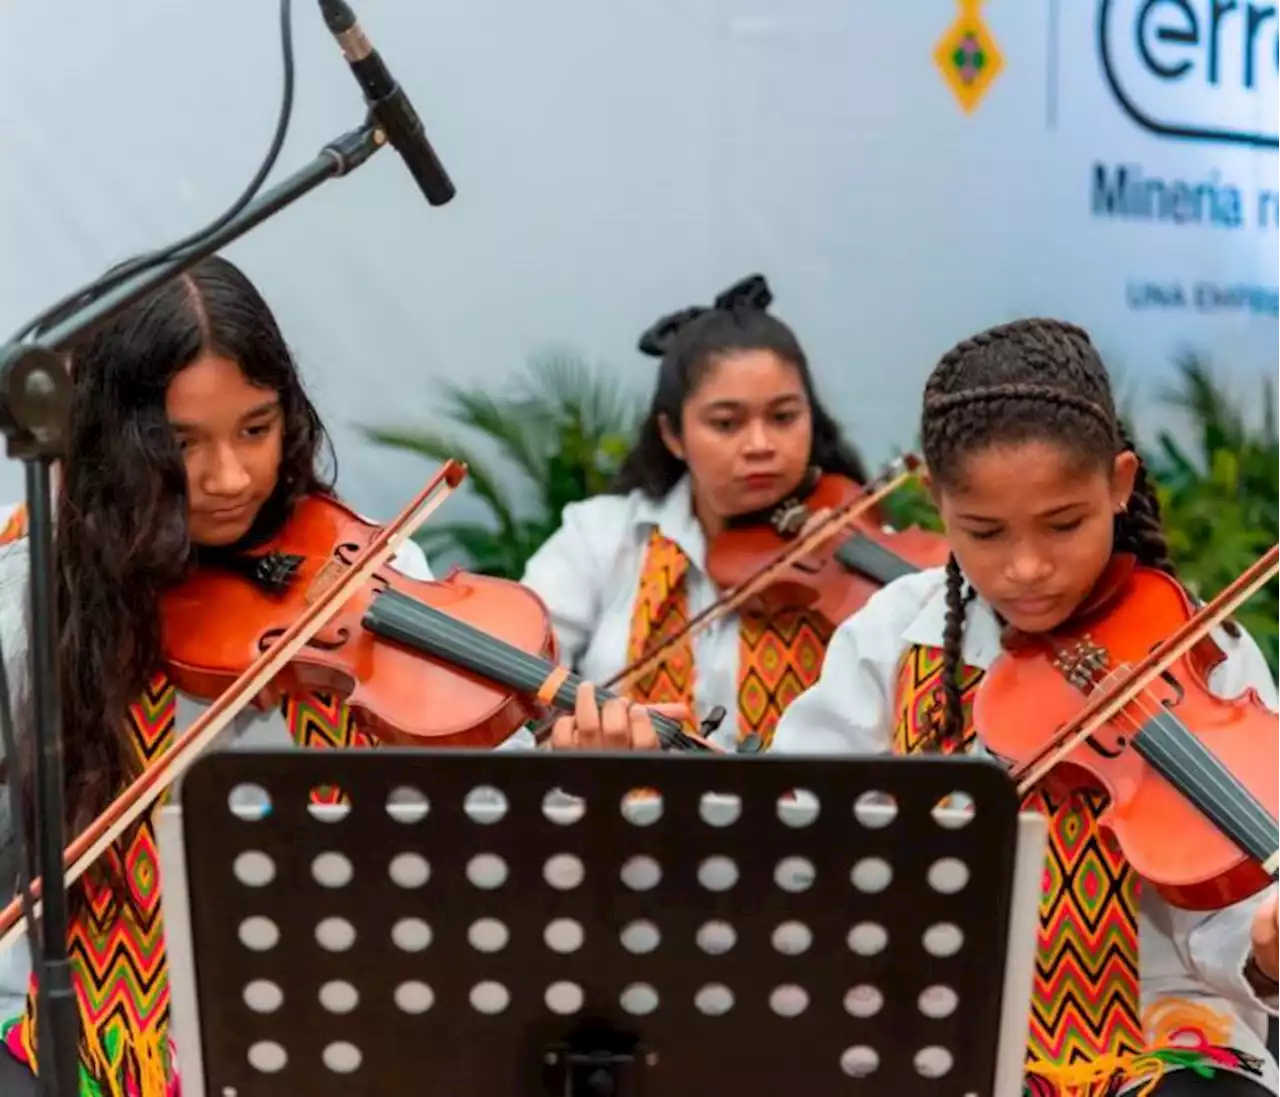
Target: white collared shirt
[
  {"x": 588, "y": 573},
  {"x": 852, "y": 710}
]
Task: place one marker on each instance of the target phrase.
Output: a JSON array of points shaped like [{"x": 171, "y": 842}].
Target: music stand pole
[{"x": 35, "y": 399}]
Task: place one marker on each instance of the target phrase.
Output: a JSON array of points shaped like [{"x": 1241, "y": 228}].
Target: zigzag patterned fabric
[
  {"x": 1086, "y": 1004},
  {"x": 1086, "y": 1034},
  {"x": 779, "y": 657},
  {"x": 117, "y": 947}
]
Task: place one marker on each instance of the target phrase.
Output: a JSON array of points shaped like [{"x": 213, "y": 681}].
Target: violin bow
[
  {"x": 151, "y": 783},
  {"x": 1107, "y": 703},
  {"x": 892, "y": 477}
]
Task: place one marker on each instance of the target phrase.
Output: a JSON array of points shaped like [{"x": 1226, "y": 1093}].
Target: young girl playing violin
[
  {"x": 1039, "y": 487},
  {"x": 190, "y": 438},
  {"x": 734, "y": 429}
]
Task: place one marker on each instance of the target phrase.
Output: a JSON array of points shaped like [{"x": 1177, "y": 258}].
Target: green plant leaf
[
  {"x": 562, "y": 428},
  {"x": 560, "y": 433},
  {"x": 1220, "y": 505},
  {"x": 439, "y": 447}
]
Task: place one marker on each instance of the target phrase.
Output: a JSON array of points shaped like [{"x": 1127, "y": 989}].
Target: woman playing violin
[
  {"x": 1041, "y": 489},
  {"x": 734, "y": 429},
  {"x": 191, "y": 437}
]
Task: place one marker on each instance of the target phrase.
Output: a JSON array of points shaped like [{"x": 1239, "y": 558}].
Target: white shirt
[
  {"x": 588, "y": 573},
  {"x": 851, "y": 710}
]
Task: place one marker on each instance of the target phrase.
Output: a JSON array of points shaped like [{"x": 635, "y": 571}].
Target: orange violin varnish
[
  {"x": 1193, "y": 779},
  {"x": 218, "y": 621},
  {"x": 835, "y": 580}
]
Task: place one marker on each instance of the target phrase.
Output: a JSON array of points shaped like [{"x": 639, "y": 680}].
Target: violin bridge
[
  {"x": 325, "y": 578},
  {"x": 1083, "y": 664}
]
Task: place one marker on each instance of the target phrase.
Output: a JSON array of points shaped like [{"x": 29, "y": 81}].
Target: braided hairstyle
[
  {"x": 1030, "y": 380},
  {"x": 690, "y": 343}
]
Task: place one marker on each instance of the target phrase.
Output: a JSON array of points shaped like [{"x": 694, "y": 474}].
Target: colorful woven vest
[
  {"x": 117, "y": 943},
  {"x": 779, "y": 657},
  {"x": 1088, "y": 1035}
]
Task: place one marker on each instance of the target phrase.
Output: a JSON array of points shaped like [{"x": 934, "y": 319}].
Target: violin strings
[
  {"x": 1222, "y": 797},
  {"x": 878, "y": 488},
  {"x": 1170, "y": 747},
  {"x": 1243, "y": 587},
  {"x": 1165, "y": 743},
  {"x": 440, "y": 634}
]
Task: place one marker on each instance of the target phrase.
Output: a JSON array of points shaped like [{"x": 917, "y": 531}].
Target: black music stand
[{"x": 488, "y": 936}]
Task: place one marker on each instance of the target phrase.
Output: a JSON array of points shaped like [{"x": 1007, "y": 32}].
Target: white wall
[{"x": 616, "y": 160}]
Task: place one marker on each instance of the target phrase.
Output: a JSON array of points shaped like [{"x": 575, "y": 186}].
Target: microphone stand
[{"x": 35, "y": 399}]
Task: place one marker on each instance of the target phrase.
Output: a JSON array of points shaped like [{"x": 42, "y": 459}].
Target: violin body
[
  {"x": 1174, "y": 746},
  {"x": 217, "y": 621},
  {"x": 837, "y": 579}
]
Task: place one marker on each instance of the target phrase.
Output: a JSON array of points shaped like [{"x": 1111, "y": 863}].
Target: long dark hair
[
  {"x": 690, "y": 342},
  {"x": 1030, "y": 380},
  {"x": 121, "y": 513}
]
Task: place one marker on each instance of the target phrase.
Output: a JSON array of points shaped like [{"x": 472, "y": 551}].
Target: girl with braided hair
[
  {"x": 1039, "y": 487},
  {"x": 734, "y": 429}
]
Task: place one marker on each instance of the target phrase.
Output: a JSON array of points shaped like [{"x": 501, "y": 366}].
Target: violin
[
  {"x": 398, "y": 696},
  {"x": 796, "y": 553},
  {"x": 834, "y": 579},
  {"x": 459, "y": 662},
  {"x": 1118, "y": 698},
  {"x": 468, "y": 660}
]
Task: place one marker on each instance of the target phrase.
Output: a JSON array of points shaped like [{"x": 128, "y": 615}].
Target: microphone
[{"x": 388, "y": 104}]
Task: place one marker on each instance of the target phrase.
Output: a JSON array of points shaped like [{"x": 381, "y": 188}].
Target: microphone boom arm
[
  {"x": 35, "y": 399},
  {"x": 338, "y": 158}
]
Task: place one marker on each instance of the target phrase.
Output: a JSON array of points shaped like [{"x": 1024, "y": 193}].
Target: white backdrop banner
[{"x": 904, "y": 173}]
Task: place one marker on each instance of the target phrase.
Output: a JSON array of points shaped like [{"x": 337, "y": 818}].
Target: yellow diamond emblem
[{"x": 968, "y": 56}]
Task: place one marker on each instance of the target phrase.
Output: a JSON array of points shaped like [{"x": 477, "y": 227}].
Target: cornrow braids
[
  {"x": 1030, "y": 380},
  {"x": 1139, "y": 530},
  {"x": 1036, "y": 379},
  {"x": 948, "y": 724},
  {"x": 1138, "y": 526}
]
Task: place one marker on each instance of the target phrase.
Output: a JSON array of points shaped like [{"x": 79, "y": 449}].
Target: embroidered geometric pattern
[
  {"x": 778, "y": 659},
  {"x": 322, "y": 720},
  {"x": 117, "y": 948},
  {"x": 661, "y": 610},
  {"x": 1085, "y": 998},
  {"x": 116, "y": 944}
]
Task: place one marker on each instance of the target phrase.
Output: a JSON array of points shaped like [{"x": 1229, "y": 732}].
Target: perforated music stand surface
[{"x": 342, "y": 986}]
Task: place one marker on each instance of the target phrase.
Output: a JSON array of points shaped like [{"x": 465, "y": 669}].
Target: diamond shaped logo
[{"x": 968, "y": 57}]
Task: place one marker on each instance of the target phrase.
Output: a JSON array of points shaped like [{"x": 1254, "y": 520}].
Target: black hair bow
[{"x": 750, "y": 294}]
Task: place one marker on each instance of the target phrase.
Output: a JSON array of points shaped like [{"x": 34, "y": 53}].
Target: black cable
[
  {"x": 114, "y": 277},
  {"x": 130, "y": 267}
]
